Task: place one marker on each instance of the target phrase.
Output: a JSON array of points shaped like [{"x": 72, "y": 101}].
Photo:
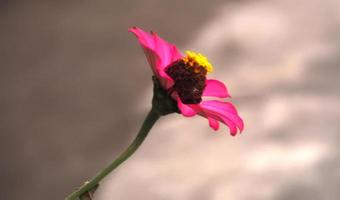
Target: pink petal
[
  {"x": 167, "y": 52},
  {"x": 187, "y": 110},
  {"x": 226, "y": 109},
  {"x": 224, "y": 112},
  {"x": 213, "y": 123},
  {"x": 165, "y": 79},
  {"x": 159, "y": 53},
  {"x": 225, "y": 106},
  {"x": 144, "y": 38},
  {"x": 215, "y": 88},
  {"x": 210, "y": 114}
]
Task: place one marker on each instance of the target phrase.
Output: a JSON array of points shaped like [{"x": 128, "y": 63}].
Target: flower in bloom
[{"x": 184, "y": 77}]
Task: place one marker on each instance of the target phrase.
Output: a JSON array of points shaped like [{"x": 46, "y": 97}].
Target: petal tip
[
  {"x": 132, "y": 28},
  {"x": 213, "y": 124}
]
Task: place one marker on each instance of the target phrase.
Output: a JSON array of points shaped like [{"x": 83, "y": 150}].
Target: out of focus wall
[{"x": 75, "y": 87}]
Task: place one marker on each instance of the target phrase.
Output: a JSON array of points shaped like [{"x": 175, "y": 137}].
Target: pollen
[{"x": 193, "y": 59}]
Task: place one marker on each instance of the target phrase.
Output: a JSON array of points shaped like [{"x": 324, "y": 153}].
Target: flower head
[{"x": 184, "y": 78}]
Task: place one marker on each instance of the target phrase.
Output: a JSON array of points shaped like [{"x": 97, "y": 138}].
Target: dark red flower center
[{"x": 189, "y": 81}]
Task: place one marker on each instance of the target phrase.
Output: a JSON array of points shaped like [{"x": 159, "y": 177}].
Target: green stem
[{"x": 150, "y": 120}]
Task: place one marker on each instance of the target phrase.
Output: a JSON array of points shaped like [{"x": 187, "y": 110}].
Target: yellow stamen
[{"x": 193, "y": 58}]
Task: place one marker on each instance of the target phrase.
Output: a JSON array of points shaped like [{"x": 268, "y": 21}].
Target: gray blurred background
[{"x": 75, "y": 87}]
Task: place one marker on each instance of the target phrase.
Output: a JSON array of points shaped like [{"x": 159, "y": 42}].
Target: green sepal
[{"x": 162, "y": 102}]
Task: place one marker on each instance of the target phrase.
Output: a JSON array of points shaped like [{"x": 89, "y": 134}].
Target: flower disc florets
[{"x": 189, "y": 75}]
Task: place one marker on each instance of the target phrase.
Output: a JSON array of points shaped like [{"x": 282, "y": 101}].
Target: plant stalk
[{"x": 149, "y": 121}]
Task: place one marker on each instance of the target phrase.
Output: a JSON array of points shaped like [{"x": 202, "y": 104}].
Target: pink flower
[{"x": 184, "y": 77}]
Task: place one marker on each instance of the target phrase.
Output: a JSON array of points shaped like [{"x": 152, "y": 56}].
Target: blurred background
[{"x": 75, "y": 88}]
